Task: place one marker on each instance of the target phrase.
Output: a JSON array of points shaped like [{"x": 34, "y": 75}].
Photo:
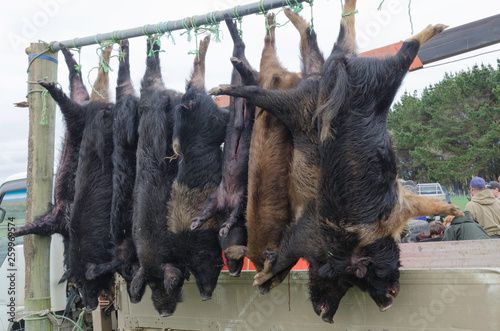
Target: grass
[{"x": 460, "y": 201}]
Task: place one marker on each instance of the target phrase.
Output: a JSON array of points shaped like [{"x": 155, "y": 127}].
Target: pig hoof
[
  {"x": 261, "y": 278},
  {"x": 214, "y": 91},
  {"x": 223, "y": 232},
  {"x": 196, "y": 223},
  {"x": 438, "y": 28}
]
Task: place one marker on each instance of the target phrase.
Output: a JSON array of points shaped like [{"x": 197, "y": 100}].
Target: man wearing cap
[
  {"x": 484, "y": 207},
  {"x": 494, "y": 187}
]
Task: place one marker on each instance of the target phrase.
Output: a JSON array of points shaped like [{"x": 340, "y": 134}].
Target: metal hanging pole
[{"x": 186, "y": 23}]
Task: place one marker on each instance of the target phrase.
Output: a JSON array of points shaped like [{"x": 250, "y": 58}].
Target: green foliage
[{"x": 452, "y": 132}]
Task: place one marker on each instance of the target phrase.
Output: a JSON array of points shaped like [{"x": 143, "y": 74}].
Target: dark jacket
[{"x": 464, "y": 228}]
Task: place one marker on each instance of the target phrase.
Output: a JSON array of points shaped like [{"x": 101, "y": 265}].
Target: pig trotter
[{"x": 197, "y": 222}]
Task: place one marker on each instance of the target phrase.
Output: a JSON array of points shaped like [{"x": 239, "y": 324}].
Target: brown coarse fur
[
  {"x": 100, "y": 92},
  {"x": 186, "y": 205},
  {"x": 269, "y": 163},
  {"x": 408, "y": 206}
]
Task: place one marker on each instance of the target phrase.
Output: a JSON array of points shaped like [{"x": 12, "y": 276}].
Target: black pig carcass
[
  {"x": 200, "y": 127},
  {"x": 56, "y": 219},
  {"x": 89, "y": 226},
  {"x": 125, "y": 136},
  {"x": 155, "y": 173},
  {"x": 228, "y": 202}
]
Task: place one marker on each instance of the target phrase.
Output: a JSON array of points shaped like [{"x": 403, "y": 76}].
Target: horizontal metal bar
[{"x": 185, "y": 23}]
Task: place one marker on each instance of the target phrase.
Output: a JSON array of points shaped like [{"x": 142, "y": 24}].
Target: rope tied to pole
[
  {"x": 239, "y": 19},
  {"x": 262, "y": 10},
  {"x": 48, "y": 49},
  {"x": 311, "y": 27},
  {"x": 213, "y": 26},
  {"x": 167, "y": 31},
  {"x": 44, "y": 120},
  {"x": 103, "y": 64},
  {"x": 345, "y": 15},
  {"x": 297, "y": 7}
]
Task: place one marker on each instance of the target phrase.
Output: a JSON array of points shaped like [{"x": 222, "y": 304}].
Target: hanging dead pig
[
  {"x": 56, "y": 219},
  {"x": 125, "y": 136},
  {"x": 155, "y": 174},
  {"x": 228, "y": 202},
  {"x": 89, "y": 226},
  {"x": 200, "y": 127}
]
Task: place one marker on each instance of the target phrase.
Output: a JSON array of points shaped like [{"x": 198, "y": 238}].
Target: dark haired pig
[
  {"x": 200, "y": 127},
  {"x": 228, "y": 202},
  {"x": 56, "y": 219},
  {"x": 125, "y": 137},
  {"x": 155, "y": 174},
  {"x": 89, "y": 226}
]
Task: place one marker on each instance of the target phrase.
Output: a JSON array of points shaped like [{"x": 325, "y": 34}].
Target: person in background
[
  {"x": 484, "y": 207},
  {"x": 463, "y": 228},
  {"x": 436, "y": 231},
  {"x": 494, "y": 187}
]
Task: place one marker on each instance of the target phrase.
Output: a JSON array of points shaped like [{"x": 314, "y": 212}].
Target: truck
[
  {"x": 444, "y": 285},
  {"x": 12, "y": 266}
]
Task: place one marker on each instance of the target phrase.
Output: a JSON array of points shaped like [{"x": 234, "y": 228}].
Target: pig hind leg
[{"x": 100, "y": 92}]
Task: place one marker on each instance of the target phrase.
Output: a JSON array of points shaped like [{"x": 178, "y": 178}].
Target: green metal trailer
[{"x": 444, "y": 286}]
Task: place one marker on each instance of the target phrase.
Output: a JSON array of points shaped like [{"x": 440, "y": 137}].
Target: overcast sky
[{"x": 28, "y": 21}]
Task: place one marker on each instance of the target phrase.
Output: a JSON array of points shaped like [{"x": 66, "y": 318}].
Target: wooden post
[{"x": 39, "y": 182}]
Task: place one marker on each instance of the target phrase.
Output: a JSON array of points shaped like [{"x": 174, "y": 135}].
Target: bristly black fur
[
  {"x": 155, "y": 174},
  {"x": 56, "y": 219}
]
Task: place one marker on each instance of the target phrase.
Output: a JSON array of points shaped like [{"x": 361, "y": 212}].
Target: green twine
[
  {"x": 239, "y": 19},
  {"x": 262, "y": 10},
  {"x": 77, "y": 67},
  {"x": 155, "y": 40},
  {"x": 44, "y": 120},
  {"x": 77, "y": 325},
  {"x": 344, "y": 15},
  {"x": 103, "y": 64},
  {"x": 213, "y": 26},
  {"x": 409, "y": 14},
  {"x": 297, "y": 7},
  {"x": 35, "y": 57},
  {"x": 167, "y": 31},
  {"x": 380, "y": 6},
  {"x": 188, "y": 28},
  {"x": 311, "y": 27}
]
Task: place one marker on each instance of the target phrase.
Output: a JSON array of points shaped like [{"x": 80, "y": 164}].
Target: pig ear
[
  {"x": 66, "y": 275},
  {"x": 326, "y": 271},
  {"x": 359, "y": 266},
  {"x": 137, "y": 285},
  {"x": 172, "y": 277}
]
